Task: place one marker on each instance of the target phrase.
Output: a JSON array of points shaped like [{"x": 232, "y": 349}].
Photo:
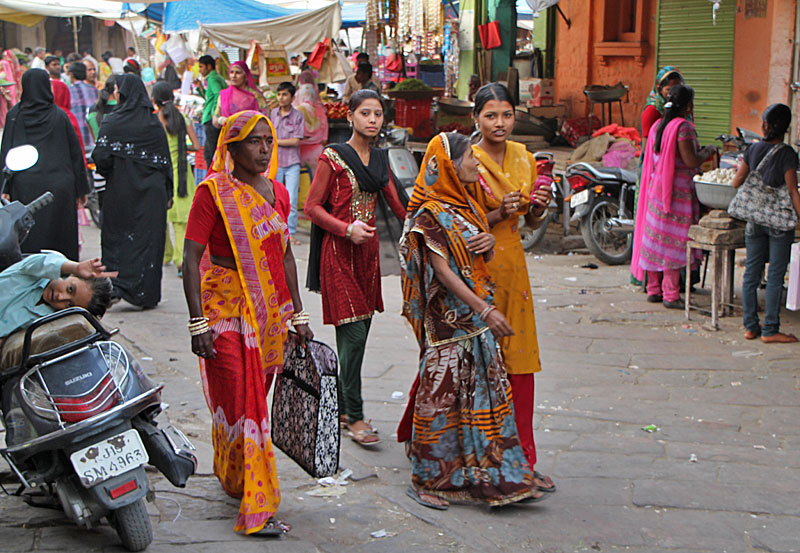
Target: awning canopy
[
  {"x": 186, "y": 14},
  {"x": 31, "y": 12},
  {"x": 297, "y": 32}
]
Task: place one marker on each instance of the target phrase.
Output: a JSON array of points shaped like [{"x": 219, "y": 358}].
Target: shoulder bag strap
[{"x": 769, "y": 156}]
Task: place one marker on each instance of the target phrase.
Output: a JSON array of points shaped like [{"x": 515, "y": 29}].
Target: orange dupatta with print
[
  {"x": 439, "y": 192},
  {"x": 248, "y": 310}
]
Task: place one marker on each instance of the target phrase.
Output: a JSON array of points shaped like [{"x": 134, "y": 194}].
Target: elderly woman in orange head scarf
[
  {"x": 240, "y": 306},
  {"x": 464, "y": 445}
]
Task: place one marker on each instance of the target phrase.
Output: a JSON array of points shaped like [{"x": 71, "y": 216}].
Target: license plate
[
  {"x": 111, "y": 457},
  {"x": 579, "y": 198}
]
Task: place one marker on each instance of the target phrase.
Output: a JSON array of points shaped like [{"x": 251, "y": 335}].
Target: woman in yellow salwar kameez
[{"x": 506, "y": 191}]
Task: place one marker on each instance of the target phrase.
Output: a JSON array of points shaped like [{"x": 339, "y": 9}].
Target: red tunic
[
  {"x": 350, "y": 275},
  {"x": 205, "y": 225},
  {"x": 649, "y": 116}
]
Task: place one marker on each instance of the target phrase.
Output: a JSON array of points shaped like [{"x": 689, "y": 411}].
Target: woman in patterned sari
[
  {"x": 464, "y": 447},
  {"x": 240, "y": 308}
]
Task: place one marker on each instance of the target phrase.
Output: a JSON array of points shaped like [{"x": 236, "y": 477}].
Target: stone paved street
[{"x": 613, "y": 364}]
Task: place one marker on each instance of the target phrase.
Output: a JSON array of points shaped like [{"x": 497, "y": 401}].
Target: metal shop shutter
[{"x": 703, "y": 51}]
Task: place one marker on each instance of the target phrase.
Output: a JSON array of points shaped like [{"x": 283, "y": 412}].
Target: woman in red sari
[
  {"x": 240, "y": 308},
  {"x": 343, "y": 259}
]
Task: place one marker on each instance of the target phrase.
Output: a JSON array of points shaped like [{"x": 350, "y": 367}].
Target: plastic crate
[{"x": 415, "y": 114}]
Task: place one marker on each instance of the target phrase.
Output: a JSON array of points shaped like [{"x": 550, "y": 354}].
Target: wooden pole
[{"x": 75, "y": 32}]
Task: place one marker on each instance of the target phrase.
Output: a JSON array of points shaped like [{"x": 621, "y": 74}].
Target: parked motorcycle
[
  {"x": 80, "y": 414},
  {"x": 602, "y": 198},
  {"x": 94, "y": 201},
  {"x": 741, "y": 141},
  {"x": 401, "y": 161}
]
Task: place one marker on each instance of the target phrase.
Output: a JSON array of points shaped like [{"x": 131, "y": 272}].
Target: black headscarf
[
  {"x": 132, "y": 130},
  {"x": 370, "y": 178},
  {"x": 35, "y": 115}
]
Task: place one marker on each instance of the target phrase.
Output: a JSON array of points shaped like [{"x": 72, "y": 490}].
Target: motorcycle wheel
[
  {"x": 132, "y": 525},
  {"x": 610, "y": 248},
  {"x": 94, "y": 205},
  {"x": 531, "y": 237}
]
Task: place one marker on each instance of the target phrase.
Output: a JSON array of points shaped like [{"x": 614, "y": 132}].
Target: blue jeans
[
  {"x": 765, "y": 245},
  {"x": 290, "y": 177}
]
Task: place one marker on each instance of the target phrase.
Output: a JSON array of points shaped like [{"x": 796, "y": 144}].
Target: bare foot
[
  {"x": 750, "y": 335},
  {"x": 779, "y": 338}
]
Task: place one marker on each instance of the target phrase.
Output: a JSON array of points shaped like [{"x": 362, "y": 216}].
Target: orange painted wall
[
  {"x": 762, "y": 62},
  {"x": 577, "y": 65}
]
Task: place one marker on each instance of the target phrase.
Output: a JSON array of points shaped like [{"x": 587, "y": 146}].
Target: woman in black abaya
[
  {"x": 61, "y": 168},
  {"x": 133, "y": 155}
]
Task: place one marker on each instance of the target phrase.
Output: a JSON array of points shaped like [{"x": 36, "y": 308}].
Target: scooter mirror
[{"x": 21, "y": 158}]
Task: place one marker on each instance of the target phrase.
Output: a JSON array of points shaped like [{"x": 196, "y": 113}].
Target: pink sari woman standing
[
  {"x": 242, "y": 95},
  {"x": 12, "y": 73},
  {"x": 667, "y": 202}
]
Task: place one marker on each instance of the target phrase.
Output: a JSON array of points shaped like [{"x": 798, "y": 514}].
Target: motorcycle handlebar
[{"x": 43, "y": 200}]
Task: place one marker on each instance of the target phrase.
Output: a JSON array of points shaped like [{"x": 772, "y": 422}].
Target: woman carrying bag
[{"x": 768, "y": 200}]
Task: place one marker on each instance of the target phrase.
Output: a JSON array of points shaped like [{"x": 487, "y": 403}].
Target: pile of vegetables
[
  {"x": 412, "y": 84},
  {"x": 336, "y": 110},
  {"x": 718, "y": 176}
]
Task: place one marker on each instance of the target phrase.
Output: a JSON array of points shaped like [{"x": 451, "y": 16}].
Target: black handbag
[{"x": 305, "y": 408}]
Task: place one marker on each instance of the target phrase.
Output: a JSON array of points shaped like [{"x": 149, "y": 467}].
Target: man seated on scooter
[{"x": 44, "y": 283}]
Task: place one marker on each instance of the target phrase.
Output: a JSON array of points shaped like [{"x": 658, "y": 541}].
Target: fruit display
[
  {"x": 336, "y": 110},
  {"x": 412, "y": 84},
  {"x": 718, "y": 176}
]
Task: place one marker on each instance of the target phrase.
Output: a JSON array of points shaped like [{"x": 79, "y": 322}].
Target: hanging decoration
[{"x": 714, "y": 8}]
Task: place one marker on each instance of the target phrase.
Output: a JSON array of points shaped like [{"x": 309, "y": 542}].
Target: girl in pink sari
[
  {"x": 12, "y": 73},
  {"x": 667, "y": 202},
  {"x": 242, "y": 95},
  {"x": 307, "y": 101}
]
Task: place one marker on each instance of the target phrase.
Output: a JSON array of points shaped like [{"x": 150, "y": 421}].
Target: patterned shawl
[
  {"x": 655, "y": 98},
  {"x": 442, "y": 195}
]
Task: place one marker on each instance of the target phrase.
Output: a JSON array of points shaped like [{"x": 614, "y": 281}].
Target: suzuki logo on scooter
[{"x": 78, "y": 378}]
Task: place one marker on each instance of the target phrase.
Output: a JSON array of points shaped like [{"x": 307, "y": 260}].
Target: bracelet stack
[
  {"x": 198, "y": 326},
  {"x": 486, "y": 310},
  {"x": 301, "y": 318}
]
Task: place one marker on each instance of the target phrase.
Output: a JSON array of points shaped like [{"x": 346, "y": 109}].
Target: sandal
[
  {"x": 533, "y": 499},
  {"x": 550, "y": 486},
  {"x": 274, "y": 528},
  {"x": 364, "y": 437},
  {"x": 415, "y": 495}
]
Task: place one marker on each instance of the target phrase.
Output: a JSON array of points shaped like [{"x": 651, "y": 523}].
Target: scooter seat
[
  {"x": 48, "y": 336},
  {"x": 612, "y": 173}
]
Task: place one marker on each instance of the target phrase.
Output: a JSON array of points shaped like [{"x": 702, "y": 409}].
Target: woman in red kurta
[{"x": 344, "y": 258}]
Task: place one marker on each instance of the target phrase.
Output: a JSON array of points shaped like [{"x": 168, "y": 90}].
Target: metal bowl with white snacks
[{"x": 714, "y": 194}]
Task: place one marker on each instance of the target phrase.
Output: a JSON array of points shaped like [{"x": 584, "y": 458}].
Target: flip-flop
[
  {"x": 414, "y": 494},
  {"x": 539, "y": 476},
  {"x": 534, "y": 499},
  {"x": 273, "y": 528},
  {"x": 358, "y": 436}
]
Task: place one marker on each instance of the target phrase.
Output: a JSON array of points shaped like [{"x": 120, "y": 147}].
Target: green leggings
[{"x": 351, "y": 341}]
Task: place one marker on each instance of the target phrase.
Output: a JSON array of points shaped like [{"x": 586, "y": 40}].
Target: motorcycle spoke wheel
[{"x": 609, "y": 247}]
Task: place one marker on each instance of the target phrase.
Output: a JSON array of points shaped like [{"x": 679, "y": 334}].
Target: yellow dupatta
[{"x": 518, "y": 174}]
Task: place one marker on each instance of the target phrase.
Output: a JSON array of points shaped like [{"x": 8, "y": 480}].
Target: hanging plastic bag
[
  {"x": 318, "y": 54},
  {"x": 793, "y": 294},
  {"x": 490, "y": 35}
]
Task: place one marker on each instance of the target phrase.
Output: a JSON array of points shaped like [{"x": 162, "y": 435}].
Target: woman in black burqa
[
  {"x": 61, "y": 168},
  {"x": 133, "y": 155}
]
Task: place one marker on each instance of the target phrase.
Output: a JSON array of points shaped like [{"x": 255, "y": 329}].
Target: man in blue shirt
[{"x": 44, "y": 283}]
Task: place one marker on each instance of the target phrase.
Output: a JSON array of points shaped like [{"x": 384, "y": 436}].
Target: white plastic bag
[{"x": 793, "y": 295}]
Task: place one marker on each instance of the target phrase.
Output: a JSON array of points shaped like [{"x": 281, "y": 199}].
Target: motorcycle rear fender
[
  {"x": 582, "y": 210},
  {"x": 102, "y": 491}
]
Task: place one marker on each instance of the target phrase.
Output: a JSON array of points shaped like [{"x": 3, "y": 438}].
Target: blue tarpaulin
[{"x": 184, "y": 15}]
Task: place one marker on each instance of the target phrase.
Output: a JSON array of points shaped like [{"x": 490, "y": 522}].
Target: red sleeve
[
  {"x": 282, "y": 202},
  {"x": 202, "y": 216},
  {"x": 390, "y": 193},
  {"x": 649, "y": 116},
  {"x": 318, "y": 195}
]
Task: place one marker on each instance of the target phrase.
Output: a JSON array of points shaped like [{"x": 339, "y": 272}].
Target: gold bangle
[{"x": 542, "y": 216}]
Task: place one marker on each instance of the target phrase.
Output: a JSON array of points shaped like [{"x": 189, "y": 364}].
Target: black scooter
[{"x": 79, "y": 413}]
